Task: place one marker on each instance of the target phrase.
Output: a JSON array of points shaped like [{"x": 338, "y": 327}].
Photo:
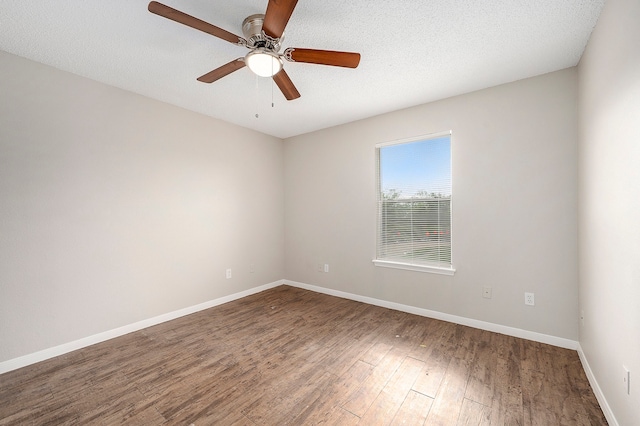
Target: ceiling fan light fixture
[{"x": 263, "y": 62}]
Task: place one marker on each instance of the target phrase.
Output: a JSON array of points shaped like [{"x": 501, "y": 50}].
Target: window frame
[{"x": 418, "y": 267}]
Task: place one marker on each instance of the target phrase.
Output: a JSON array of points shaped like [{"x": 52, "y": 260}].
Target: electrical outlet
[
  {"x": 326, "y": 267},
  {"x": 626, "y": 377},
  {"x": 229, "y": 273},
  {"x": 486, "y": 292},
  {"x": 528, "y": 299}
]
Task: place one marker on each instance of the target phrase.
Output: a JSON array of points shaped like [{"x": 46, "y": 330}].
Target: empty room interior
[{"x": 231, "y": 248}]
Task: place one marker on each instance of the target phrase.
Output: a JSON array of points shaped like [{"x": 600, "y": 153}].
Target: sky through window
[{"x": 417, "y": 168}]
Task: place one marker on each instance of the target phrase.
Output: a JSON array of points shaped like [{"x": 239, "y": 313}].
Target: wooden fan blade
[
  {"x": 190, "y": 21},
  {"x": 222, "y": 71},
  {"x": 276, "y": 17},
  {"x": 286, "y": 85},
  {"x": 323, "y": 57}
]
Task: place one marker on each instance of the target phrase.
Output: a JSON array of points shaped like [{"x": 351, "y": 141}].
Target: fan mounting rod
[{"x": 252, "y": 30}]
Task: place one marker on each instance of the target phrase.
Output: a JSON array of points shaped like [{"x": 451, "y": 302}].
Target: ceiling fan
[{"x": 263, "y": 35}]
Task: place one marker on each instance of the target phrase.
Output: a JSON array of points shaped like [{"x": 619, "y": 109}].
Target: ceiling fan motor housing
[{"x": 252, "y": 30}]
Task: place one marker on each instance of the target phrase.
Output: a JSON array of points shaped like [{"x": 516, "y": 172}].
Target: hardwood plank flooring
[{"x": 291, "y": 356}]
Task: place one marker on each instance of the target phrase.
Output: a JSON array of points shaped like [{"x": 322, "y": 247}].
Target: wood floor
[{"x": 291, "y": 356}]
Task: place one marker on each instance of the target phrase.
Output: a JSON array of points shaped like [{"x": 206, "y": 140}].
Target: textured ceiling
[{"x": 412, "y": 52}]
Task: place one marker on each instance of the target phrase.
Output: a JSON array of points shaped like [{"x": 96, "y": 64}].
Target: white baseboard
[
  {"x": 45, "y": 354},
  {"x": 604, "y": 405},
  {"x": 483, "y": 325}
]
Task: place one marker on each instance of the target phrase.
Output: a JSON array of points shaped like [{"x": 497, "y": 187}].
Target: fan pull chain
[
  {"x": 272, "y": 74},
  {"x": 256, "y": 96}
]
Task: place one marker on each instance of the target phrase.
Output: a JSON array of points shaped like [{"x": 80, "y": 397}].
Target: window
[{"x": 414, "y": 204}]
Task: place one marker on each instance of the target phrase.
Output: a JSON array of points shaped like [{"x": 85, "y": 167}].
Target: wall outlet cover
[{"x": 529, "y": 299}]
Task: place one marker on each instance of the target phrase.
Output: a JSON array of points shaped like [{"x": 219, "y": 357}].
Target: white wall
[
  {"x": 115, "y": 208},
  {"x": 514, "y": 206},
  {"x": 609, "y": 194}
]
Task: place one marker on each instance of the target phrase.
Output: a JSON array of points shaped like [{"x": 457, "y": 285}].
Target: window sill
[{"x": 414, "y": 267}]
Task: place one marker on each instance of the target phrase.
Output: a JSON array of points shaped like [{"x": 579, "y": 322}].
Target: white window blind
[{"x": 414, "y": 203}]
